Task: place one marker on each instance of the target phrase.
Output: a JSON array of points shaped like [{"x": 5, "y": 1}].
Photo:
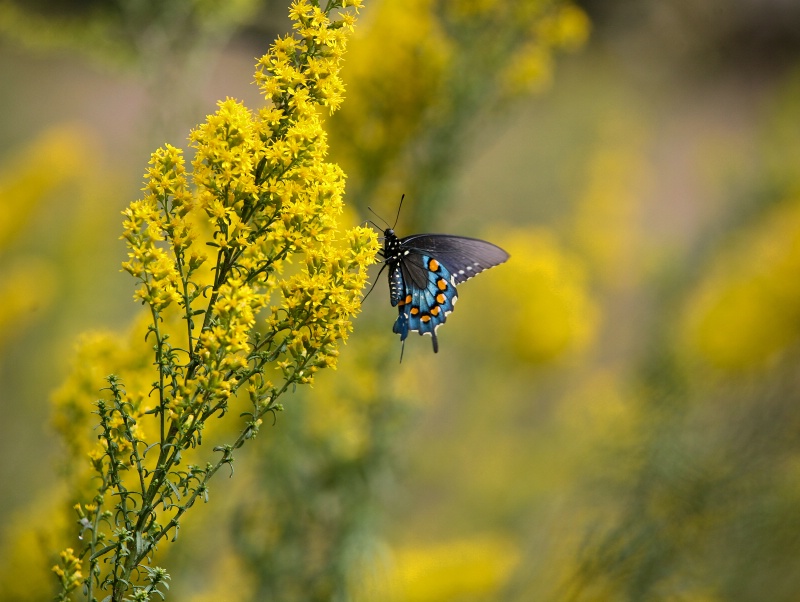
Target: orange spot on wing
[
  {"x": 442, "y": 284},
  {"x": 408, "y": 299},
  {"x": 435, "y": 311},
  {"x": 414, "y": 311},
  {"x": 425, "y": 318},
  {"x": 440, "y": 298},
  {"x": 433, "y": 265}
]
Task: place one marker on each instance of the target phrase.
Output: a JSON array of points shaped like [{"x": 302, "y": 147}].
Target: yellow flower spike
[{"x": 207, "y": 244}]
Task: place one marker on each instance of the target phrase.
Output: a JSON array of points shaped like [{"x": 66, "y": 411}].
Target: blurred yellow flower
[
  {"x": 26, "y": 289},
  {"x": 383, "y": 114},
  {"x": 58, "y": 159},
  {"x": 747, "y": 309},
  {"x": 29, "y": 538},
  {"x": 564, "y": 26},
  {"x": 339, "y": 412},
  {"x": 474, "y": 568},
  {"x": 607, "y": 226},
  {"x": 95, "y": 356},
  {"x": 60, "y": 155},
  {"x": 537, "y": 307}
]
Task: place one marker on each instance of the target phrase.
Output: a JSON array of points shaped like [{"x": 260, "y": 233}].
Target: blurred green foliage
[{"x": 613, "y": 414}]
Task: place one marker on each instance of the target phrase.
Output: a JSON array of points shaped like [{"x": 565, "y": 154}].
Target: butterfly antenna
[
  {"x": 397, "y": 217},
  {"x": 402, "y": 349},
  {"x": 379, "y": 217}
]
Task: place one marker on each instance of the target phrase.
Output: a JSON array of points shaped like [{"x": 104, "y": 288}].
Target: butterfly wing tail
[
  {"x": 401, "y": 327},
  {"x": 401, "y": 324}
]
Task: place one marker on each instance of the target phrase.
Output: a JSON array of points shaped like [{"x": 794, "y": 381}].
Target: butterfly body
[{"x": 424, "y": 270}]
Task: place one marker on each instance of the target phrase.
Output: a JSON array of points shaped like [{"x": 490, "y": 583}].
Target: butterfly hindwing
[{"x": 424, "y": 308}]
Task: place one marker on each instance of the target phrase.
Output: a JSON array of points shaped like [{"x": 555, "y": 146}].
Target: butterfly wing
[
  {"x": 429, "y": 295},
  {"x": 462, "y": 257},
  {"x": 424, "y": 272}
]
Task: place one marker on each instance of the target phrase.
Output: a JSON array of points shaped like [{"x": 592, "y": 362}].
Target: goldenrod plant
[{"x": 249, "y": 284}]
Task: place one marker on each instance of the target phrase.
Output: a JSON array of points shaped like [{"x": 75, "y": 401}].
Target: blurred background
[{"x": 614, "y": 414}]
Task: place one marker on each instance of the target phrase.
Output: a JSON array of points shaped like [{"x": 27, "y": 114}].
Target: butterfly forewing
[{"x": 464, "y": 257}]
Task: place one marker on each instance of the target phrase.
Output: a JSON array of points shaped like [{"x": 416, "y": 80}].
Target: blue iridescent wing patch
[{"x": 424, "y": 309}]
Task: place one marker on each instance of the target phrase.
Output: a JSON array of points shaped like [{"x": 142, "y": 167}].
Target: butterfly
[{"x": 424, "y": 270}]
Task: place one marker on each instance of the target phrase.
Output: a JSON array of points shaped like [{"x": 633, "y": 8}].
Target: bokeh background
[{"x": 613, "y": 415}]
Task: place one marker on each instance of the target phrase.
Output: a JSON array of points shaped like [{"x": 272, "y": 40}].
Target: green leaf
[{"x": 174, "y": 489}]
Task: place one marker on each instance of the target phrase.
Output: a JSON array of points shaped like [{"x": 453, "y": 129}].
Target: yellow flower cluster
[
  {"x": 287, "y": 80},
  {"x": 320, "y": 302},
  {"x": 263, "y": 193},
  {"x": 159, "y": 217},
  {"x": 69, "y": 572}
]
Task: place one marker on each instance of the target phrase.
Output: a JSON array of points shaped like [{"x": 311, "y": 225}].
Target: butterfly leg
[{"x": 383, "y": 267}]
